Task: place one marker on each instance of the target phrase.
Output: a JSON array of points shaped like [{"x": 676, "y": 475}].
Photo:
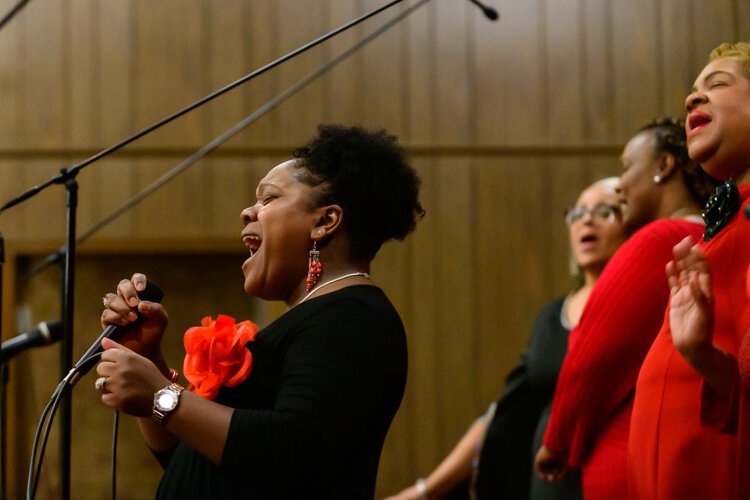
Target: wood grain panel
[
  {"x": 506, "y": 121},
  {"x": 382, "y": 99},
  {"x": 714, "y": 24},
  {"x": 419, "y": 71},
  {"x": 676, "y": 18},
  {"x": 45, "y": 60},
  {"x": 636, "y": 59},
  {"x": 564, "y": 82},
  {"x": 172, "y": 69},
  {"x": 298, "y": 24},
  {"x": 12, "y": 79},
  {"x": 598, "y": 74}
]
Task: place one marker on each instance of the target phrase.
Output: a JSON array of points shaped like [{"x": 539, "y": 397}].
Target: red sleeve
[
  {"x": 715, "y": 411},
  {"x": 620, "y": 321}
]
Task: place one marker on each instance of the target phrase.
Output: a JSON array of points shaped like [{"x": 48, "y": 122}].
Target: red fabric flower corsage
[{"x": 215, "y": 354}]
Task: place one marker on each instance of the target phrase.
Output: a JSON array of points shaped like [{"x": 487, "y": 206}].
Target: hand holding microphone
[{"x": 134, "y": 310}]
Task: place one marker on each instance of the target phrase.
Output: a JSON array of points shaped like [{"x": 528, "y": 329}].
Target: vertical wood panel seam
[
  {"x": 660, "y": 56},
  {"x": 610, "y": 68},
  {"x": 406, "y": 76},
  {"x": 134, "y": 66},
  {"x": 543, "y": 48},
  {"x": 474, "y": 265},
  {"x": 736, "y": 29},
  {"x": 67, "y": 75},
  {"x": 691, "y": 34},
  {"x": 96, "y": 65},
  {"x": 471, "y": 75},
  {"x": 583, "y": 69}
]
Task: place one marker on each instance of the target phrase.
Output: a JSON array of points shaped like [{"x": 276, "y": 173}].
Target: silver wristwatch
[{"x": 165, "y": 402}]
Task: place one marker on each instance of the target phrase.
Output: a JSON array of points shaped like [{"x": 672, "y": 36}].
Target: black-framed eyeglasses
[{"x": 601, "y": 211}]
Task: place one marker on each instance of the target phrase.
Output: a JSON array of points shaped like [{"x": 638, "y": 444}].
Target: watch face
[{"x": 165, "y": 400}]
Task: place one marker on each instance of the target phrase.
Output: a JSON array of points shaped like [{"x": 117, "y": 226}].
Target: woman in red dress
[
  {"x": 690, "y": 423},
  {"x": 590, "y": 419}
]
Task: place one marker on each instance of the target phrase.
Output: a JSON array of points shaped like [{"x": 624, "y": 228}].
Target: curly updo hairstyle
[
  {"x": 670, "y": 137},
  {"x": 367, "y": 174}
]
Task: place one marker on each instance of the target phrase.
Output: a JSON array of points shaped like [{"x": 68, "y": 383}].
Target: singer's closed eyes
[{"x": 304, "y": 409}]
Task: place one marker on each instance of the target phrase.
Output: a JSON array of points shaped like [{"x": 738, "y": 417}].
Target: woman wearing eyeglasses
[
  {"x": 506, "y": 433},
  {"x": 662, "y": 192}
]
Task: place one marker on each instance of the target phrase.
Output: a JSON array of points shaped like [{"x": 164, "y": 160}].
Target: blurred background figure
[
  {"x": 593, "y": 400},
  {"x": 501, "y": 441}
]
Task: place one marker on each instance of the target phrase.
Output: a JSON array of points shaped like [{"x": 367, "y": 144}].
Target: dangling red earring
[{"x": 314, "y": 267}]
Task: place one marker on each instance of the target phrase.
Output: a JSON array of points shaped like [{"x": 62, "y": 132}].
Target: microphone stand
[
  {"x": 67, "y": 177},
  {"x": 12, "y": 12},
  {"x": 66, "y": 351}
]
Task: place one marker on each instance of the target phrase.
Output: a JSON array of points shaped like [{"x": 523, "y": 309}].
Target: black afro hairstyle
[{"x": 367, "y": 174}]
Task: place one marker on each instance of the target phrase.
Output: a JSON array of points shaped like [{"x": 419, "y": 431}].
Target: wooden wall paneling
[
  {"x": 299, "y": 23},
  {"x": 675, "y": 31},
  {"x": 46, "y": 63},
  {"x": 638, "y": 94},
  {"x": 508, "y": 271},
  {"x": 509, "y": 87},
  {"x": 225, "y": 62},
  {"x": 232, "y": 182},
  {"x": 342, "y": 87},
  {"x": 419, "y": 72},
  {"x": 598, "y": 73},
  {"x": 104, "y": 187},
  {"x": 390, "y": 271},
  {"x": 118, "y": 72},
  {"x": 453, "y": 83},
  {"x": 420, "y": 402},
  {"x": 41, "y": 218},
  {"x": 714, "y": 24},
  {"x": 455, "y": 313},
  {"x": 12, "y": 80},
  {"x": 564, "y": 81},
  {"x": 565, "y": 178},
  {"x": 742, "y": 22},
  {"x": 14, "y": 182},
  {"x": 171, "y": 70},
  {"x": 261, "y": 45},
  {"x": 83, "y": 86},
  {"x": 382, "y": 100},
  {"x": 173, "y": 211}
]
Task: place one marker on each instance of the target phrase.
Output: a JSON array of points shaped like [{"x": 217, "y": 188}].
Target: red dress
[
  {"x": 593, "y": 399},
  {"x": 683, "y": 439}
]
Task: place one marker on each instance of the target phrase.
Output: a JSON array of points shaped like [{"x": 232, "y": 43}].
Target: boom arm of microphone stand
[
  {"x": 57, "y": 256},
  {"x": 72, "y": 171}
]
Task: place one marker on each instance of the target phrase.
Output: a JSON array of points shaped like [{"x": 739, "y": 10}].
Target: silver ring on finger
[
  {"x": 106, "y": 298},
  {"x": 100, "y": 384}
]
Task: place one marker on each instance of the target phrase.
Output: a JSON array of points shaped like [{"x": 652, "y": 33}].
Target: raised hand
[{"x": 691, "y": 309}]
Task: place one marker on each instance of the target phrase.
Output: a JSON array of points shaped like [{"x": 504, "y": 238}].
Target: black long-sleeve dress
[
  {"x": 517, "y": 427},
  {"x": 312, "y": 416}
]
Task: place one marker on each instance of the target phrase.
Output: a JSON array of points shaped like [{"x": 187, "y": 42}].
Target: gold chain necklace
[{"x": 334, "y": 280}]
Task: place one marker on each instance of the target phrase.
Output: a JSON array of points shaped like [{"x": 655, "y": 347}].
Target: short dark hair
[
  {"x": 670, "y": 137},
  {"x": 367, "y": 174}
]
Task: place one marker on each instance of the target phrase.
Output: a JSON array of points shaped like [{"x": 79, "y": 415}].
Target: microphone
[
  {"x": 489, "y": 12},
  {"x": 44, "y": 333},
  {"x": 152, "y": 293}
]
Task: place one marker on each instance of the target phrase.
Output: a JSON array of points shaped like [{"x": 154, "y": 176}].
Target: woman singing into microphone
[{"x": 310, "y": 418}]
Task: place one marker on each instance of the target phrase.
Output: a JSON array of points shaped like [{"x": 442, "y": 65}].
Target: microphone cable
[
  {"x": 115, "y": 427},
  {"x": 45, "y": 425}
]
